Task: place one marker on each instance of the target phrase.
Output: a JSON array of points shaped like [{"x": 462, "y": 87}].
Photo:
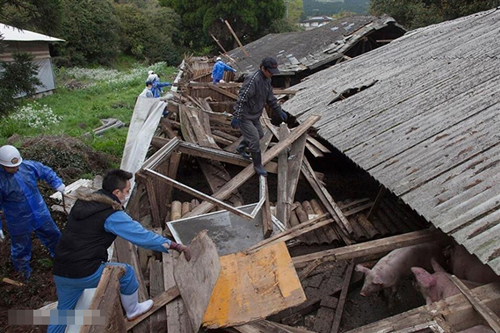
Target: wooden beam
[
  {"x": 199, "y": 194},
  {"x": 343, "y": 296},
  {"x": 236, "y": 37},
  {"x": 249, "y": 171},
  {"x": 377, "y": 202},
  {"x": 159, "y": 302},
  {"x": 218, "y": 43},
  {"x": 282, "y": 205},
  {"x": 223, "y": 92},
  {"x": 373, "y": 247},
  {"x": 158, "y": 157},
  {"x": 295, "y": 160},
  {"x": 318, "y": 144},
  {"x": 221, "y": 156},
  {"x": 267, "y": 223},
  {"x": 107, "y": 299},
  {"x": 488, "y": 315}
]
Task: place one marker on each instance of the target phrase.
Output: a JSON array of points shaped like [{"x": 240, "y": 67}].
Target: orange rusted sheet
[{"x": 253, "y": 286}]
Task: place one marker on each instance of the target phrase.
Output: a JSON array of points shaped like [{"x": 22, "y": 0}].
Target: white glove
[
  {"x": 61, "y": 188},
  {"x": 2, "y": 236}
]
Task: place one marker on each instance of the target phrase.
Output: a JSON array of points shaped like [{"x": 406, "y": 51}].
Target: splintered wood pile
[{"x": 328, "y": 236}]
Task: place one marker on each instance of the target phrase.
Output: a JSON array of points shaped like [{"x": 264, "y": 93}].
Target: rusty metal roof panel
[{"x": 421, "y": 115}]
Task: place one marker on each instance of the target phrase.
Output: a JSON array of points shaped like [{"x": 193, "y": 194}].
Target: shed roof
[
  {"x": 297, "y": 51},
  {"x": 427, "y": 128},
  {"x": 10, "y": 33}
]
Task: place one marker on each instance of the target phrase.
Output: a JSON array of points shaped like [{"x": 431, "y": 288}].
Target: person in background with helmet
[
  {"x": 218, "y": 70},
  {"x": 147, "y": 92},
  {"x": 24, "y": 208},
  {"x": 157, "y": 84},
  {"x": 254, "y": 94}
]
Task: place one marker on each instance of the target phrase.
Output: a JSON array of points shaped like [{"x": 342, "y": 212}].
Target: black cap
[{"x": 271, "y": 65}]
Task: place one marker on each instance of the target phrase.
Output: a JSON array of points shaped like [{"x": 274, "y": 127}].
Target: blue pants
[
  {"x": 69, "y": 290},
  {"x": 20, "y": 246}
]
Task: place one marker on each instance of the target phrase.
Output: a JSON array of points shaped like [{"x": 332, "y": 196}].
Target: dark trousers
[{"x": 252, "y": 133}]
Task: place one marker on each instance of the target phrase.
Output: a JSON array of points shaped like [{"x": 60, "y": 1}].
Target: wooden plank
[
  {"x": 294, "y": 164},
  {"x": 159, "y": 156},
  {"x": 237, "y": 39},
  {"x": 232, "y": 147},
  {"x": 455, "y": 310},
  {"x": 107, "y": 300},
  {"x": 291, "y": 233},
  {"x": 372, "y": 247},
  {"x": 158, "y": 320},
  {"x": 221, "y": 156},
  {"x": 265, "y": 141},
  {"x": 240, "y": 298},
  {"x": 199, "y": 194},
  {"x": 327, "y": 201},
  {"x": 249, "y": 171},
  {"x": 196, "y": 278},
  {"x": 126, "y": 253},
  {"x": 282, "y": 205},
  {"x": 153, "y": 202},
  {"x": 313, "y": 150},
  {"x": 343, "y": 296},
  {"x": 318, "y": 144},
  {"x": 267, "y": 224},
  {"x": 378, "y": 199},
  {"x": 488, "y": 315},
  {"x": 223, "y": 92},
  {"x": 159, "y": 302},
  {"x": 266, "y": 326},
  {"x": 173, "y": 167}
]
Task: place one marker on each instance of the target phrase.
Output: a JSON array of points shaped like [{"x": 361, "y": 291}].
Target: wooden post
[
  {"x": 217, "y": 41},
  {"x": 237, "y": 39},
  {"x": 342, "y": 299},
  {"x": 282, "y": 206},
  {"x": 378, "y": 199}
]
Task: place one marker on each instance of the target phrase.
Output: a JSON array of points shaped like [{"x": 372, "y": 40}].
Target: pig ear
[
  {"x": 436, "y": 266},
  {"x": 362, "y": 269},
  {"x": 377, "y": 280},
  {"x": 423, "y": 277}
]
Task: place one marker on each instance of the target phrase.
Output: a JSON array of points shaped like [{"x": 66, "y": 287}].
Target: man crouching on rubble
[{"x": 81, "y": 254}]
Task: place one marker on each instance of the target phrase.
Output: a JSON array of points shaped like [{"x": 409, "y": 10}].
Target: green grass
[{"x": 81, "y": 99}]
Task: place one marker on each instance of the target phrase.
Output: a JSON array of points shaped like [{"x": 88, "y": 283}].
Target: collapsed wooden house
[{"x": 440, "y": 164}]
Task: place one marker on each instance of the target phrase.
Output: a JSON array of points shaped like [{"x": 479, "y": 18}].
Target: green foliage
[
  {"x": 19, "y": 77},
  {"x": 295, "y": 10},
  {"x": 318, "y": 8},
  {"x": 250, "y": 19},
  {"x": 418, "y": 13},
  {"x": 40, "y": 16},
  {"x": 90, "y": 28},
  {"x": 83, "y": 97},
  {"x": 150, "y": 33}
]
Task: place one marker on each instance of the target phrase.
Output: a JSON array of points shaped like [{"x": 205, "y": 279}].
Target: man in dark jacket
[
  {"x": 254, "y": 94},
  {"x": 81, "y": 254}
]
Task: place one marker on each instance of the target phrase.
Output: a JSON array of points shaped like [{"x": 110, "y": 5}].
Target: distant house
[
  {"x": 300, "y": 54},
  {"x": 314, "y": 22},
  {"x": 18, "y": 40}
]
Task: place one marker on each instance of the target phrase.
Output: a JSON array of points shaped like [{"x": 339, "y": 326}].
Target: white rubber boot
[{"x": 132, "y": 307}]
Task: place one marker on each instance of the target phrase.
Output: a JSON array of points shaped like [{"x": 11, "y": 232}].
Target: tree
[
  {"x": 150, "y": 33},
  {"x": 250, "y": 19},
  {"x": 90, "y": 28},
  {"x": 295, "y": 10},
  {"x": 18, "y": 77},
  {"x": 418, "y": 13},
  {"x": 40, "y": 16}
]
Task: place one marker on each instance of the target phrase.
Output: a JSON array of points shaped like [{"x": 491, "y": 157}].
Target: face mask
[{"x": 124, "y": 201}]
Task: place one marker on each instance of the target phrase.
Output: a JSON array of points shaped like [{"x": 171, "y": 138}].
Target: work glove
[
  {"x": 181, "y": 249},
  {"x": 61, "y": 188},
  {"x": 283, "y": 115},
  {"x": 236, "y": 123}
]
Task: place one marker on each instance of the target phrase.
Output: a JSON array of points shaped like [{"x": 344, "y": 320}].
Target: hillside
[{"x": 324, "y": 7}]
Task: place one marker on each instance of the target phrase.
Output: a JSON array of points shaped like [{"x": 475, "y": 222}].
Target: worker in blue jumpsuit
[
  {"x": 81, "y": 255},
  {"x": 23, "y": 206},
  {"x": 157, "y": 84},
  {"x": 218, "y": 70}
]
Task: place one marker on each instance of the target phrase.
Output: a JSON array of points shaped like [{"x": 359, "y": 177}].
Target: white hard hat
[
  {"x": 9, "y": 156},
  {"x": 150, "y": 72},
  {"x": 218, "y": 58}
]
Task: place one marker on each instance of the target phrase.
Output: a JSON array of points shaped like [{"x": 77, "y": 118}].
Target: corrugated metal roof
[
  {"x": 19, "y": 35},
  {"x": 297, "y": 51},
  {"x": 428, "y": 129}
]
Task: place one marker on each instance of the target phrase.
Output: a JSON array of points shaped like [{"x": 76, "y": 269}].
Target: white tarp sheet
[{"x": 145, "y": 119}]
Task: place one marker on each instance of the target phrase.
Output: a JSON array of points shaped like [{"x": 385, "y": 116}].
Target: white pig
[
  {"x": 437, "y": 286},
  {"x": 396, "y": 265}
]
